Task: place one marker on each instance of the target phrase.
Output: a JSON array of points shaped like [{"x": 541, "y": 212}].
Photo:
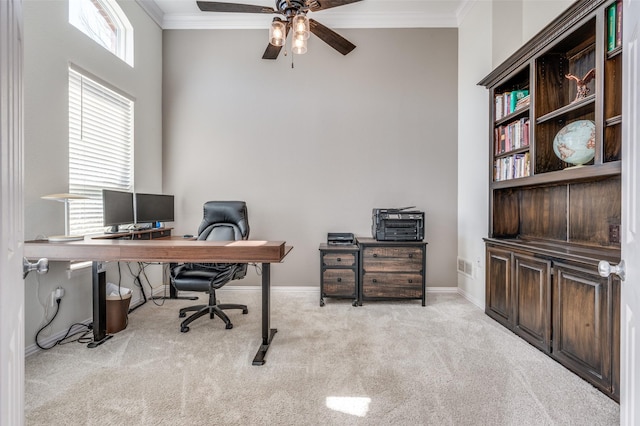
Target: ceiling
[{"x": 184, "y": 14}]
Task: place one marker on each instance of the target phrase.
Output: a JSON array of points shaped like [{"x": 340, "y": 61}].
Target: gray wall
[
  {"x": 51, "y": 44},
  {"x": 313, "y": 149}
]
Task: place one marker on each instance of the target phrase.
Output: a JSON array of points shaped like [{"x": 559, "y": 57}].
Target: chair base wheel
[
  {"x": 229, "y": 326},
  {"x": 245, "y": 311},
  {"x": 184, "y": 329},
  {"x": 182, "y": 315}
]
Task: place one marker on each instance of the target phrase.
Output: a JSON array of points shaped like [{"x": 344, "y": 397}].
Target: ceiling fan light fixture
[
  {"x": 277, "y": 33},
  {"x": 298, "y": 45},
  {"x": 300, "y": 26}
]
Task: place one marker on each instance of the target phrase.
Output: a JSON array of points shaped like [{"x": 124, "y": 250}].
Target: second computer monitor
[{"x": 153, "y": 208}]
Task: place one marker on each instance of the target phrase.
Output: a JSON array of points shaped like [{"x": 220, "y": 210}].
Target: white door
[
  {"x": 630, "y": 290},
  {"x": 11, "y": 216}
]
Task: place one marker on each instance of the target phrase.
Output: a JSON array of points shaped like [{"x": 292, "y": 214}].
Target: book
[
  {"x": 516, "y": 95},
  {"x": 523, "y": 102},
  {"x": 619, "y": 23},
  {"x": 611, "y": 27},
  {"x": 499, "y": 111}
]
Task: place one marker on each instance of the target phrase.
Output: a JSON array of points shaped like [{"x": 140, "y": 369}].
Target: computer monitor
[
  {"x": 153, "y": 208},
  {"x": 117, "y": 209}
]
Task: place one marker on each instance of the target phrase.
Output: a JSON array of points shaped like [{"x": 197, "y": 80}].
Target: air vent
[{"x": 465, "y": 267}]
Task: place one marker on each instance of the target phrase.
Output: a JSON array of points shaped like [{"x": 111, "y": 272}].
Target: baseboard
[
  {"x": 466, "y": 295},
  {"x": 442, "y": 290},
  {"x": 275, "y": 289},
  {"x": 315, "y": 289},
  {"x": 51, "y": 340}
]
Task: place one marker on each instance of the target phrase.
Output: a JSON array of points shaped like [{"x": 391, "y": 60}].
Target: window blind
[{"x": 100, "y": 149}]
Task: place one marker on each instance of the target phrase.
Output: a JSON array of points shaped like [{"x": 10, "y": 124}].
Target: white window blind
[{"x": 100, "y": 149}]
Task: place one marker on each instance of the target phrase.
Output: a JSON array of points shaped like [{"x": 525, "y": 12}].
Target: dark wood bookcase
[{"x": 550, "y": 223}]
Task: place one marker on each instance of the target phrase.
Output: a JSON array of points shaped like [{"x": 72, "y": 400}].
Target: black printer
[{"x": 399, "y": 224}]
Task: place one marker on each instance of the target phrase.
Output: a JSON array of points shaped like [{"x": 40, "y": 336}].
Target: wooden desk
[{"x": 171, "y": 249}]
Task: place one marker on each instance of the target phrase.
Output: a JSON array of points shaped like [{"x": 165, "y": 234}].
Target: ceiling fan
[{"x": 295, "y": 18}]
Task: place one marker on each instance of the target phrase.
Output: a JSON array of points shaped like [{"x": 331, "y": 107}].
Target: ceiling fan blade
[
  {"x": 271, "y": 52},
  {"x": 315, "y": 5},
  {"x": 217, "y": 6},
  {"x": 331, "y": 37}
]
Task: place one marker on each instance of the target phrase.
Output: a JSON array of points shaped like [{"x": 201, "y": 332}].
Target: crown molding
[
  {"x": 333, "y": 20},
  {"x": 153, "y": 10},
  {"x": 381, "y": 14}
]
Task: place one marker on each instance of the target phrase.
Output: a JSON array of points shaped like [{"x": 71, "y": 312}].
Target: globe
[{"x": 575, "y": 143}]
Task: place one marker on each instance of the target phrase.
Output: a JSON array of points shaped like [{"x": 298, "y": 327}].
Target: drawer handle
[
  {"x": 374, "y": 280},
  {"x": 410, "y": 281},
  {"x": 339, "y": 259},
  {"x": 410, "y": 255},
  {"x": 375, "y": 254},
  {"x": 339, "y": 280}
]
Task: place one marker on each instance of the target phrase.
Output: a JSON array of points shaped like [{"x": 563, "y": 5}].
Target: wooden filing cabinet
[
  {"x": 392, "y": 270},
  {"x": 339, "y": 272}
]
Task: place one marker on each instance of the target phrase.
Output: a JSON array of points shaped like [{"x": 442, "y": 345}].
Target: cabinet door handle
[
  {"x": 605, "y": 269},
  {"x": 339, "y": 279}
]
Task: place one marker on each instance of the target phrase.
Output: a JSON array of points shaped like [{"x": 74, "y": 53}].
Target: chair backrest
[{"x": 224, "y": 221}]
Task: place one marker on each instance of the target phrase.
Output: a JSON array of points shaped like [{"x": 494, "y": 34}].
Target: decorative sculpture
[{"x": 582, "y": 89}]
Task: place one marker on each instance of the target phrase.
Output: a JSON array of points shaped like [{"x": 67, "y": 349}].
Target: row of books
[
  {"x": 512, "y": 167},
  {"x": 509, "y": 102},
  {"x": 512, "y": 136},
  {"x": 614, "y": 26}
]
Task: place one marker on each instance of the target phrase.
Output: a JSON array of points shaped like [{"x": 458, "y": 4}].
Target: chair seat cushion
[{"x": 200, "y": 277}]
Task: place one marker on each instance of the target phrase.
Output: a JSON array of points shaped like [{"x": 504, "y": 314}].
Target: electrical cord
[
  {"x": 55, "y": 314},
  {"x": 257, "y": 267},
  {"x": 68, "y": 334},
  {"x": 138, "y": 282}
]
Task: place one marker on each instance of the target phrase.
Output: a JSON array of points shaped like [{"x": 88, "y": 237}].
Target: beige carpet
[{"x": 391, "y": 363}]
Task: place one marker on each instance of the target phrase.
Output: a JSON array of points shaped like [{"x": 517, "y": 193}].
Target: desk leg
[
  {"x": 99, "y": 284},
  {"x": 267, "y": 332}
]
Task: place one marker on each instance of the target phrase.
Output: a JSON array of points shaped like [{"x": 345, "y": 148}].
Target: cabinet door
[
  {"x": 582, "y": 319},
  {"x": 532, "y": 288},
  {"x": 498, "y": 304}
]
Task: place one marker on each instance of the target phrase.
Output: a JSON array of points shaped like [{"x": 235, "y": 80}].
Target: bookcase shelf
[
  {"x": 539, "y": 217},
  {"x": 577, "y": 108},
  {"x": 523, "y": 112}
]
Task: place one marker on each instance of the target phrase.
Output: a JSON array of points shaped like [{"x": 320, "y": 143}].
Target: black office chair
[{"x": 223, "y": 221}]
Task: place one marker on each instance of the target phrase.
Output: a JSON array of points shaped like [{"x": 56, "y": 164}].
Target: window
[
  {"x": 105, "y": 22},
  {"x": 100, "y": 149}
]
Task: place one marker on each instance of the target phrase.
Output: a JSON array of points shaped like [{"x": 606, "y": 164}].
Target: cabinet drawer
[
  {"x": 339, "y": 259},
  {"x": 403, "y": 253},
  {"x": 392, "y": 259},
  {"x": 392, "y": 285},
  {"x": 339, "y": 282}
]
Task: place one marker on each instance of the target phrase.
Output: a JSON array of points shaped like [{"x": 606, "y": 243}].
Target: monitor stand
[{"x": 112, "y": 230}]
